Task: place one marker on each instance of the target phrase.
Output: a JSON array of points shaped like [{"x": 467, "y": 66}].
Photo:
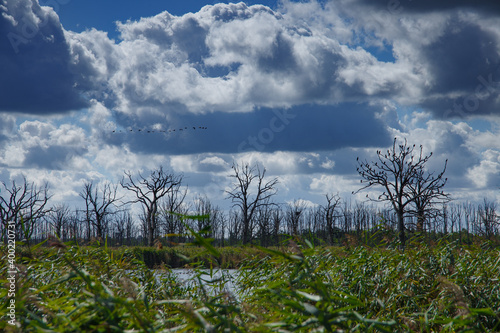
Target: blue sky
[
  {"x": 78, "y": 15},
  {"x": 90, "y": 89}
]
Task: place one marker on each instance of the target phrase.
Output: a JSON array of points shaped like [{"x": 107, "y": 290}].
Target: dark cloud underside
[
  {"x": 35, "y": 62},
  {"x": 301, "y": 128},
  {"x": 433, "y": 5}
]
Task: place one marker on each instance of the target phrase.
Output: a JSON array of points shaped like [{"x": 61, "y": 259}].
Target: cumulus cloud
[
  {"x": 450, "y": 50},
  {"x": 237, "y": 58},
  {"x": 487, "y": 173},
  {"x": 303, "y": 89},
  {"x": 35, "y": 61},
  {"x": 234, "y": 57},
  {"x": 39, "y": 144}
]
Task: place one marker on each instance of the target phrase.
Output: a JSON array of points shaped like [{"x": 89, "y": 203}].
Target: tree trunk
[
  {"x": 246, "y": 230},
  {"x": 401, "y": 228},
  {"x": 420, "y": 220},
  {"x": 150, "y": 235}
]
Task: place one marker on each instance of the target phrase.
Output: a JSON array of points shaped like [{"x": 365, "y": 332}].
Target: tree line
[{"x": 416, "y": 204}]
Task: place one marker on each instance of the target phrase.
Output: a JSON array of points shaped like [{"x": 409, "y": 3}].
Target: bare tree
[
  {"x": 59, "y": 219},
  {"x": 123, "y": 226},
  {"x": 488, "y": 218},
  {"x": 100, "y": 202},
  {"x": 148, "y": 192},
  {"x": 293, "y": 217},
  {"x": 331, "y": 215},
  {"x": 25, "y": 205},
  {"x": 204, "y": 209},
  {"x": 277, "y": 218},
  {"x": 234, "y": 226},
  {"x": 399, "y": 172},
  {"x": 213, "y": 219},
  {"x": 426, "y": 190},
  {"x": 171, "y": 208},
  {"x": 249, "y": 193},
  {"x": 264, "y": 223}
]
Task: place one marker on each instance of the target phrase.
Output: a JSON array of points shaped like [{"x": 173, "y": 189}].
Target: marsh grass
[
  {"x": 191, "y": 256},
  {"x": 300, "y": 288},
  {"x": 425, "y": 289}
]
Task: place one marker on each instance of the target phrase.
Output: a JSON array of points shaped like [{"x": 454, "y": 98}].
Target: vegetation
[
  {"x": 414, "y": 197},
  {"x": 423, "y": 264},
  {"x": 405, "y": 182},
  {"x": 445, "y": 287}
]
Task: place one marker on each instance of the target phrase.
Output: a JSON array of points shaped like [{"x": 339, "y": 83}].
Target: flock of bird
[{"x": 160, "y": 131}]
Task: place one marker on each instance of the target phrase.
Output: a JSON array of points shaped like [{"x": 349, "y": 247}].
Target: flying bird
[{"x": 150, "y": 131}]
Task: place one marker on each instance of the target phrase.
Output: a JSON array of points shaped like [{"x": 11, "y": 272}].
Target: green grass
[{"x": 301, "y": 289}]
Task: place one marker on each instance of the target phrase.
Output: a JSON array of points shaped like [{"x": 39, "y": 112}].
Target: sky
[{"x": 90, "y": 89}]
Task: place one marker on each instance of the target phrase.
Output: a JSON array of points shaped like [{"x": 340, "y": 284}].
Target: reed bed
[{"x": 444, "y": 288}]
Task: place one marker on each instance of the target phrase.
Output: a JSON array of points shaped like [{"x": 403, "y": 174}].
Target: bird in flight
[{"x": 142, "y": 130}]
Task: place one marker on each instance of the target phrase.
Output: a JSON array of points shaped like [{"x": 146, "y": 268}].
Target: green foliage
[
  {"x": 446, "y": 288},
  {"x": 295, "y": 289}
]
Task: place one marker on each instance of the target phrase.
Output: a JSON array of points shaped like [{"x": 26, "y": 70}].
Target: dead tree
[
  {"x": 293, "y": 217},
  {"x": 59, "y": 219},
  {"x": 427, "y": 192},
  {"x": 249, "y": 193},
  {"x": 211, "y": 220},
  {"x": 277, "y": 219},
  {"x": 100, "y": 203},
  {"x": 148, "y": 192},
  {"x": 25, "y": 205},
  {"x": 488, "y": 218},
  {"x": 264, "y": 223},
  {"x": 401, "y": 174},
  {"x": 172, "y": 207},
  {"x": 331, "y": 215}
]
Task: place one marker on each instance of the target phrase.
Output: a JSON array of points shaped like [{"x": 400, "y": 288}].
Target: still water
[{"x": 215, "y": 282}]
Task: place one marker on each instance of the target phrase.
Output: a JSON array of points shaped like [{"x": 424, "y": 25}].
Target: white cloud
[
  {"x": 324, "y": 184},
  {"x": 328, "y": 164},
  {"x": 232, "y": 58},
  {"x": 487, "y": 173},
  {"x": 302, "y": 203},
  {"x": 214, "y": 160},
  {"x": 252, "y": 57}
]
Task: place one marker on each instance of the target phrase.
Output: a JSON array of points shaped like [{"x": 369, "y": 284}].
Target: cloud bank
[{"x": 303, "y": 89}]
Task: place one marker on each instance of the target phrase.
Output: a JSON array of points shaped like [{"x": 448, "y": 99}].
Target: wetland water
[{"x": 219, "y": 280}]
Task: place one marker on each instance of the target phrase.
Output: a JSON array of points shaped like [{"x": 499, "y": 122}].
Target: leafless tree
[
  {"x": 24, "y": 204},
  {"x": 214, "y": 220},
  {"x": 277, "y": 218},
  {"x": 427, "y": 192},
  {"x": 488, "y": 218},
  {"x": 203, "y": 207},
  {"x": 264, "y": 224},
  {"x": 148, "y": 192},
  {"x": 400, "y": 172},
  {"x": 172, "y": 206},
  {"x": 100, "y": 203},
  {"x": 123, "y": 227},
  {"x": 331, "y": 215},
  {"x": 249, "y": 193},
  {"x": 234, "y": 226},
  {"x": 59, "y": 218},
  {"x": 293, "y": 217},
  {"x": 361, "y": 218}
]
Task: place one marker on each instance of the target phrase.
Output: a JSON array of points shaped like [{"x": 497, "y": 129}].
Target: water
[{"x": 220, "y": 281}]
